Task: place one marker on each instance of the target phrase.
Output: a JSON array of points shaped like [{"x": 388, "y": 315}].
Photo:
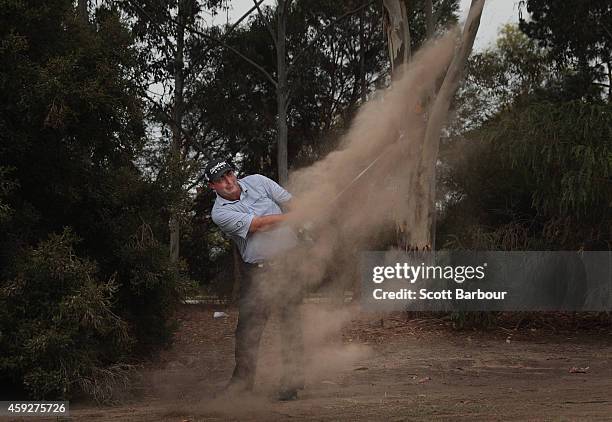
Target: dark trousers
[{"x": 257, "y": 300}]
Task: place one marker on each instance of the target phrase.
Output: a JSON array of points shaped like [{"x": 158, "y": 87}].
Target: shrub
[
  {"x": 151, "y": 287},
  {"x": 57, "y": 326}
]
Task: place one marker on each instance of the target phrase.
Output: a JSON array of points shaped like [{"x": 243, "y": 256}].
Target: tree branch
[
  {"x": 429, "y": 18},
  {"x": 168, "y": 43},
  {"x": 222, "y": 43},
  {"x": 322, "y": 32},
  {"x": 243, "y": 17},
  {"x": 236, "y": 52},
  {"x": 231, "y": 28},
  {"x": 608, "y": 31},
  {"x": 170, "y": 120},
  {"x": 263, "y": 17}
]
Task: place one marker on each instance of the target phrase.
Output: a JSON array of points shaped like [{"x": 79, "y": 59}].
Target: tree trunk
[
  {"x": 282, "y": 91},
  {"x": 362, "y": 76},
  {"x": 431, "y": 215},
  {"x": 176, "y": 145},
  {"x": 398, "y": 32},
  {"x": 609, "y": 82},
  {"x": 437, "y": 116},
  {"x": 407, "y": 52},
  {"x": 429, "y": 19},
  {"x": 82, "y": 10},
  {"x": 398, "y": 40}
]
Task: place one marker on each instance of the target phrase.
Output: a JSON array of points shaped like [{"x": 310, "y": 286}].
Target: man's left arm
[{"x": 284, "y": 200}]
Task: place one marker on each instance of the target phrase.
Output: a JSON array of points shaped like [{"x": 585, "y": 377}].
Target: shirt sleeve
[
  {"x": 274, "y": 190},
  {"x": 232, "y": 222}
]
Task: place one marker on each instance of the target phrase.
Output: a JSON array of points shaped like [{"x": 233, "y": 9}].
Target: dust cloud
[
  {"x": 346, "y": 217},
  {"x": 388, "y": 131}
]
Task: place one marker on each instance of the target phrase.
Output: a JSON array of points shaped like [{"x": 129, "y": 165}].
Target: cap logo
[{"x": 217, "y": 167}]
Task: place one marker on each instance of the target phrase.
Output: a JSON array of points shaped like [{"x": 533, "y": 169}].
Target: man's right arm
[
  {"x": 266, "y": 222},
  {"x": 240, "y": 224},
  {"x": 233, "y": 223}
]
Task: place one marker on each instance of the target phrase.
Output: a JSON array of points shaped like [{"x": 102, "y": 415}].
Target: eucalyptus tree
[{"x": 173, "y": 57}]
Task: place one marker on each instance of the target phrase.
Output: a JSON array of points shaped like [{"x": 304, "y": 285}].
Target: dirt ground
[{"x": 363, "y": 368}]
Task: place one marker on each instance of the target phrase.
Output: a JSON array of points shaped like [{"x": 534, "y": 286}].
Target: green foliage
[
  {"x": 72, "y": 129},
  {"x": 152, "y": 287},
  {"x": 204, "y": 246},
  {"x": 6, "y": 185},
  {"x": 535, "y": 177},
  {"x": 576, "y": 28},
  {"x": 57, "y": 325},
  {"x": 577, "y": 35},
  {"x": 533, "y": 171},
  {"x": 567, "y": 150},
  {"x": 495, "y": 78}
]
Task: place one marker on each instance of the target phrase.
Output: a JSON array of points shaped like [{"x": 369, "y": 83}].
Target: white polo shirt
[{"x": 260, "y": 196}]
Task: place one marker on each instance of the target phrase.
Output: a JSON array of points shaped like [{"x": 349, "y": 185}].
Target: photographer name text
[{"x": 413, "y": 273}]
